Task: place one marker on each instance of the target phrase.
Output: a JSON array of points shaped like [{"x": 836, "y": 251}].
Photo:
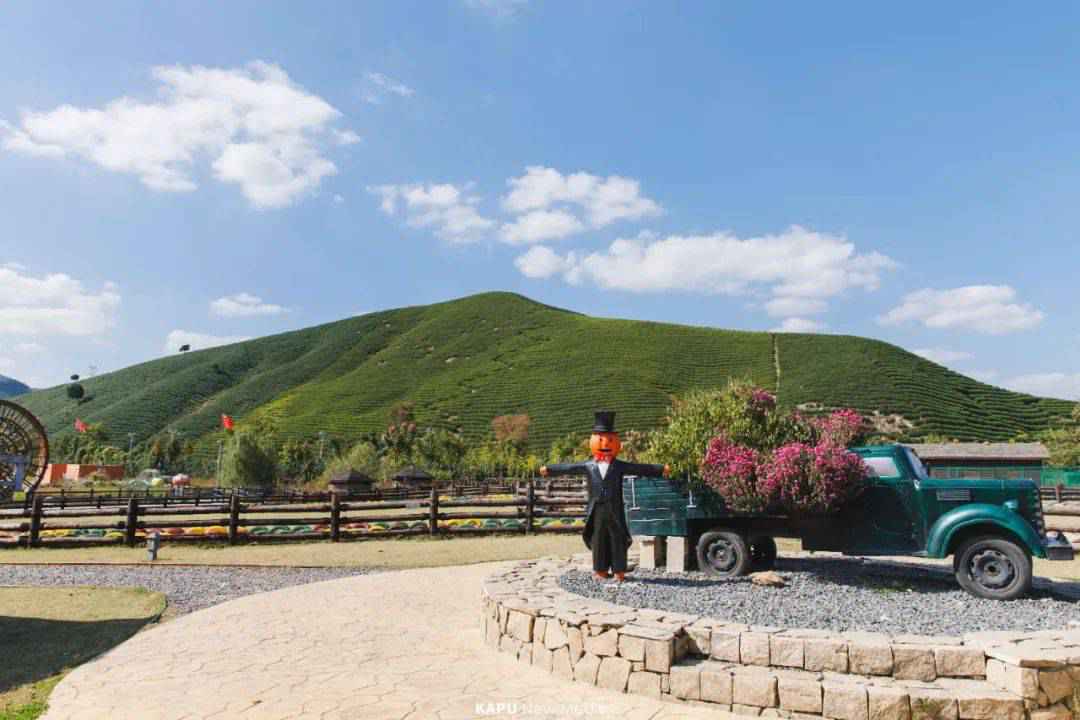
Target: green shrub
[
  {"x": 246, "y": 463},
  {"x": 744, "y": 414},
  {"x": 363, "y": 457}
]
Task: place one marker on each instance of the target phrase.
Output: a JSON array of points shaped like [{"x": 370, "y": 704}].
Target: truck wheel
[
  {"x": 762, "y": 552},
  {"x": 722, "y": 553},
  {"x": 993, "y": 567}
]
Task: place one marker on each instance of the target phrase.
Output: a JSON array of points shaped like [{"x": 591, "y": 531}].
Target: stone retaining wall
[{"x": 778, "y": 672}]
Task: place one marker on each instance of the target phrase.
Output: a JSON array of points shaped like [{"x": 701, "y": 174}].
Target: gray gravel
[
  {"x": 838, "y": 594},
  {"x": 187, "y": 588}
]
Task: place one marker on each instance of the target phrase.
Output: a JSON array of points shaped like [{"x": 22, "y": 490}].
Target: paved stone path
[{"x": 390, "y": 646}]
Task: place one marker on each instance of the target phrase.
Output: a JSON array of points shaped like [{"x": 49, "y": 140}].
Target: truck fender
[{"x": 993, "y": 516}]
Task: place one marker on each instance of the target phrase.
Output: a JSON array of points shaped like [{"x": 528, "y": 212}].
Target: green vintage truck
[{"x": 992, "y": 528}]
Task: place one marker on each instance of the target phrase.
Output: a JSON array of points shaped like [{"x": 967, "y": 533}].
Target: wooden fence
[
  {"x": 1060, "y": 493},
  {"x": 331, "y": 516},
  {"x": 198, "y": 496}
]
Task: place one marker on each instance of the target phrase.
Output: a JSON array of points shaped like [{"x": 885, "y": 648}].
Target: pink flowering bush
[
  {"x": 731, "y": 470},
  {"x": 802, "y": 479},
  {"x": 840, "y": 427},
  {"x": 811, "y": 473},
  {"x": 761, "y": 402}
]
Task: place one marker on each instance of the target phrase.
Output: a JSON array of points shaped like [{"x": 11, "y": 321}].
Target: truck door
[{"x": 884, "y": 522}]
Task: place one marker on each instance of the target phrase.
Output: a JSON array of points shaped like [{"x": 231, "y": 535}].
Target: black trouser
[{"x": 608, "y": 540}]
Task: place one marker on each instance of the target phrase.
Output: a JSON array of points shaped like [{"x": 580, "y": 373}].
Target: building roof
[
  {"x": 412, "y": 473},
  {"x": 351, "y": 477},
  {"x": 1021, "y": 451}
]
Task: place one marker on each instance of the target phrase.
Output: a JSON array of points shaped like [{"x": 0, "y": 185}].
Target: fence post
[
  {"x": 530, "y": 506},
  {"x": 433, "y": 511},
  {"x": 132, "y": 521},
  {"x": 63, "y": 502},
  {"x": 35, "y": 521},
  {"x": 1057, "y": 492},
  {"x": 234, "y": 518},
  {"x": 335, "y": 516}
]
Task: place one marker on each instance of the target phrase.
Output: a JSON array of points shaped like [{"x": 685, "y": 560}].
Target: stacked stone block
[{"x": 779, "y": 672}]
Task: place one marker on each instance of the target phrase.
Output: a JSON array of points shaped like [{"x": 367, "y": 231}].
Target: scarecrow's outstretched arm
[
  {"x": 564, "y": 469},
  {"x": 645, "y": 470}
]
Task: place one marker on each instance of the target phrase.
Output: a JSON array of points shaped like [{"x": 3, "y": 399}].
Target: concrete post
[
  {"x": 678, "y": 554},
  {"x": 653, "y": 552}
]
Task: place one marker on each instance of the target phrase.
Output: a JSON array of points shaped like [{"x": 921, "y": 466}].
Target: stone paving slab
[{"x": 391, "y": 646}]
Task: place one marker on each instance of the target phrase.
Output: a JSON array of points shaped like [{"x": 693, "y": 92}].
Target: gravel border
[
  {"x": 838, "y": 594},
  {"x": 187, "y": 588}
]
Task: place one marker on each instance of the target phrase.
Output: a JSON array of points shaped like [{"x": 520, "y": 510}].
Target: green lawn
[{"x": 46, "y": 632}]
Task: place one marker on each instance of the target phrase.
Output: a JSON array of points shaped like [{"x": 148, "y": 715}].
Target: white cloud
[
  {"x": 244, "y": 305},
  {"x": 29, "y": 348},
  {"x": 800, "y": 268},
  {"x": 989, "y": 309},
  {"x": 198, "y": 341},
  {"x": 540, "y": 225},
  {"x": 942, "y": 356},
  {"x": 338, "y": 200},
  {"x": 6, "y": 363},
  {"x": 446, "y": 208},
  {"x": 792, "y": 306},
  {"x": 799, "y": 325},
  {"x": 379, "y": 85},
  {"x": 983, "y": 375},
  {"x": 258, "y": 129},
  {"x": 346, "y": 137},
  {"x": 55, "y": 304},
  {"x": 543, "y": 262},
  {"x": 1053, "y": 384},
  {"x": 603, "y": 200}
]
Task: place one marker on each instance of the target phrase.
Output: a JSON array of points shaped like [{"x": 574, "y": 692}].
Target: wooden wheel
[{"x": 23, "y": 441}]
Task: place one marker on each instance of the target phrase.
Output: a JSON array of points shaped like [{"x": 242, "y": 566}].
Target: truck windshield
[{"x": 916, "y": 465}]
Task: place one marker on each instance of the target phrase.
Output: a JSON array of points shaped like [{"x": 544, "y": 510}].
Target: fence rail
[
  {"x": 198, "y": 496},
  {"x": 237, "y": 518},
  {"x": 1060, "y": 493}
]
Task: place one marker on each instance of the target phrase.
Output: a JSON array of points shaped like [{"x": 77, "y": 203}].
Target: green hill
[
  {"x": 10, "y": 387},
  {"x": 466, "y": 361}
]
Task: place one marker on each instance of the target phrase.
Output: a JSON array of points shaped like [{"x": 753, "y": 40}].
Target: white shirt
[{"x": 603, "y": 468}]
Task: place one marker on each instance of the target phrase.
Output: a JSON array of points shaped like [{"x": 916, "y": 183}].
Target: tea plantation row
[{"x": 466, "y": 361}]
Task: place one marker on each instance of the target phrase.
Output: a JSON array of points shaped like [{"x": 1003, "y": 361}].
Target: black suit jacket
[{"x": 606, "y": 488}]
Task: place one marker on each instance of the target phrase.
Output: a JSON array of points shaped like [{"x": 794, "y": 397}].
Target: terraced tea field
[{"x": 466, "y": 361}]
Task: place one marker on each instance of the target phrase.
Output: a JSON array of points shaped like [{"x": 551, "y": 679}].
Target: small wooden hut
[
  {"x": 351, "y": 482},
  {"x": 412, "y": 477}
]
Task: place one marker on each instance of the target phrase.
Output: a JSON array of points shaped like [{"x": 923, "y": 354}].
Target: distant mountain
[
  {"x": 10, "y": 387},
  {"x": 465, "y": 361}
]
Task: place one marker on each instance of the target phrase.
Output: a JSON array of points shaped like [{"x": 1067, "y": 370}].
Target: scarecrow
[{"x": 606, "y": 533}]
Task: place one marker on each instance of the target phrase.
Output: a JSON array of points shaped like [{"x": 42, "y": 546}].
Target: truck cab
[{"x": 991, "y": 527}]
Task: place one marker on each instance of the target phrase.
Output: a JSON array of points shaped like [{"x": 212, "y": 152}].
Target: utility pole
[
  {"x": 217, "y": 478},
  {"x": 130, "y": 463},
  {"x": 322, "y": 439}
]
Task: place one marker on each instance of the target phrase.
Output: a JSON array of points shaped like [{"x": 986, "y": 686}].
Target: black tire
[
  {"x": 762, "y": 552},
  {"x": 993, "y": 567},
  {"x": 723, "y": 553}
]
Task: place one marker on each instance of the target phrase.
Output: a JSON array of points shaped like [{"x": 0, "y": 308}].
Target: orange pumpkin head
[{"x": 605, "y": 446}]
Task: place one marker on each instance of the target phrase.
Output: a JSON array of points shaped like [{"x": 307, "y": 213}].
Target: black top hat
[{"x": 605, "y": 421}]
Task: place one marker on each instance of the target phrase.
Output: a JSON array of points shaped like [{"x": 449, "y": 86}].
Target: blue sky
[{"x": 207, "y": 171}]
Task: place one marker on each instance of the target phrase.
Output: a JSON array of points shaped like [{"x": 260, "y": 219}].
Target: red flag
[
  {"x": 80, "y": 426},
  {"x": 227, "y": 422}
]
